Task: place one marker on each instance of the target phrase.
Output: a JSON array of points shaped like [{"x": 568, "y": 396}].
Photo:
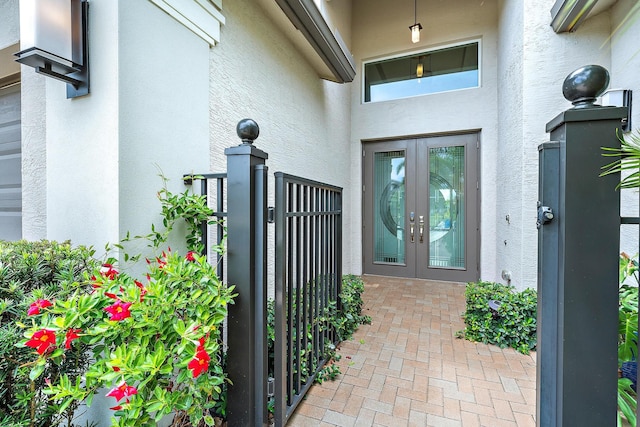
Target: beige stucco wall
[
  {"x": 148, "y": 100},
  {"x": 625, "y": 62},
  {"x": 534, "y": 62},
  {"x": 380, "y": 29},
  {"x": 304, "y": 121}
]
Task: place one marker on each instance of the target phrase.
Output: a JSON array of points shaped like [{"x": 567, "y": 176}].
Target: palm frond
[{"x": 627, "y": 159}]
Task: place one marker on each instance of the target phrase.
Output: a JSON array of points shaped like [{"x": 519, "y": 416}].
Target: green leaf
[{"x": 36, "y": 371}]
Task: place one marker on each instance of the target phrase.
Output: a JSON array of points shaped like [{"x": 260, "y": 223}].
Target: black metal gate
[
  {"x": 307, "y": 282},
  {"x": 308, "y": 219}
]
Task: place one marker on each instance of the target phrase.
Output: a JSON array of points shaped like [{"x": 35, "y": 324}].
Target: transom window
[{"x": 451, "y": 68}]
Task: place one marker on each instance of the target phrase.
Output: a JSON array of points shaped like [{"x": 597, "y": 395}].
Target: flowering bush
[
  {"x": 31, "y": 275},
  {"x": 155, "y": 342}
]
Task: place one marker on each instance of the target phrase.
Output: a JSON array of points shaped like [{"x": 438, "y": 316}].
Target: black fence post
[
  {"x": 246, "y": 269},
  {"x": 578, "y": 245}
]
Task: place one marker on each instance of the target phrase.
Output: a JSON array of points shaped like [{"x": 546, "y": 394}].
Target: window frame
[{"x": 406, "y": 54}]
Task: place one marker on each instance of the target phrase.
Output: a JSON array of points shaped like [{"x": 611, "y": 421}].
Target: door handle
[
  {"x": 421, "y": 228},
  {"x": 411, "y": 226}
]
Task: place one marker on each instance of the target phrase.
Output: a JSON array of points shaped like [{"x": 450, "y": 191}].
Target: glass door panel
[
  {"x": 446, "y": 207},
  {"x": 389, "y": 207}
]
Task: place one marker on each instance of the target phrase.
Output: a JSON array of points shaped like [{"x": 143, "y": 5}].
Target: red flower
[
  {"x": 119, "y": 310},
  {"x": 35, "y": 307},
  {"x": 42, "y": 340},
  {"x": 161, "y": 263},
  {"x": 200, "y": 362},
  {"x": 190, "y": 256},
  {"x": 96, "y": 283},
  {"x": 123, "y": 390},
  {"x": 71, "y": 335},
  {"x": 143, "y": 290},
  {"x": 108, "y": 271},
  {"x": 110, "y": 295}
]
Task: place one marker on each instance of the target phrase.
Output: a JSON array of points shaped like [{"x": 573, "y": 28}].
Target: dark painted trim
[{"x": 306, "y": 17}]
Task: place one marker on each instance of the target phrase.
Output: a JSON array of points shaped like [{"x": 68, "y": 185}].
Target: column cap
[{"x": 587, "y": 115}]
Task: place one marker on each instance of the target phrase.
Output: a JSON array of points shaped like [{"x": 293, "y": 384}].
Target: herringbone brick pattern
[{"x": 408, "y": 369}]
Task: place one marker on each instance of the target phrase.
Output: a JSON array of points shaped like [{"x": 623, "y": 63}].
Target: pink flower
[
  {"x": 119, "y": 310},
  {"x": 35, "y": 307},
  {"x": 122, "y": 390},
  {"x": 199, "y": 363},
  {"x": 41, "y": 340},
  {"x": 72, "y": 334}
]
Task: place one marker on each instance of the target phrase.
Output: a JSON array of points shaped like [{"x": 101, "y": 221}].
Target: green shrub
[
  {"x": 155, "y": 340},
  {"x": 344, "y": 321},
  {"x": 514, "y": 323},
  {"x": 31, "y": 271}
]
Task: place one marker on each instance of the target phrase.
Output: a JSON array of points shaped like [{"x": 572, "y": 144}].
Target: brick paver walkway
[{"x": 408, "y": 369}]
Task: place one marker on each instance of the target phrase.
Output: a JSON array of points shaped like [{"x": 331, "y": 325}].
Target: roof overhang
[
  {"x": 568, "y": 15},
  {"x": 307, "y": 28}
]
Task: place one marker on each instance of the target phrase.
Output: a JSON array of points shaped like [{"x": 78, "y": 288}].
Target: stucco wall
[
  {"x": 625, "y": 62},
  {"x": 163, "y": 114},
  {"x": 510, "y": 127},
  {"x": 304, "y": 121},
  {"x": 10, "y": 28},
  {"x": 147, "y": 111},
  {"x": 380, "y": 29},
  {"x": 82, "y": 143},
  {"x": 536, "y": 98}
]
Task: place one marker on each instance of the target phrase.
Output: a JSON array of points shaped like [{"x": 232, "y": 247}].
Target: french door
[{"x": 420, "y": 208}]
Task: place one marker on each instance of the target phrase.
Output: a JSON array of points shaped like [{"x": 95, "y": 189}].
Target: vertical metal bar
[
  {"x": 260, "y": 294},
  {"x": 316, "y": 276},
  {"x": 220, "y": 225},
  {"x": 280, "y": 349},
  {"x": 305, "y": 274},
  {"x": 299, "y": 300},
  {"x": 339, "y": 247},
  {"x": 203, "y": 225},
  {"x": 325, "y": 275},
  {"x": 332, "y": 261}
]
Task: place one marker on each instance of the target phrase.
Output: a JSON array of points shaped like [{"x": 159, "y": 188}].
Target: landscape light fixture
[
  {"x": 567, "y": 15},
  {"x": 416, "y": 27},
  {"x": 53, "y": 39},
  {"x": 419, "y": 70}
]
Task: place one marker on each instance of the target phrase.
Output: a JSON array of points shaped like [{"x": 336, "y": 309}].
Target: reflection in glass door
[
  {"x": 419, "y": 203},
  {"x": 389, "y": 188},
  {"x": 446, "y": 207}
]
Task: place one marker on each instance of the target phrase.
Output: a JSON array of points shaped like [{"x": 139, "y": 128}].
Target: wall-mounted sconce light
[
  {"x": 53, "y": 39},
  {"x": 619, "y": 98},
  {"x": 567, "y": 15},
  {"x": 416, "y": 27}
]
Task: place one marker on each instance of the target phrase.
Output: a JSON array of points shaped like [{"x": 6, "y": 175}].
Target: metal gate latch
[{"x": 545, "y": 215}]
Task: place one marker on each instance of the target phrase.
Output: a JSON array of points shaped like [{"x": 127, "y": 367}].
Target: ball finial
[
  {"x": 247, "y": 130},
  {"x": 585, "y": 84}
]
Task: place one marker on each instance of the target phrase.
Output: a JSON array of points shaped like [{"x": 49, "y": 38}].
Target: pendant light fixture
[{"x": 416, "y": 27}]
